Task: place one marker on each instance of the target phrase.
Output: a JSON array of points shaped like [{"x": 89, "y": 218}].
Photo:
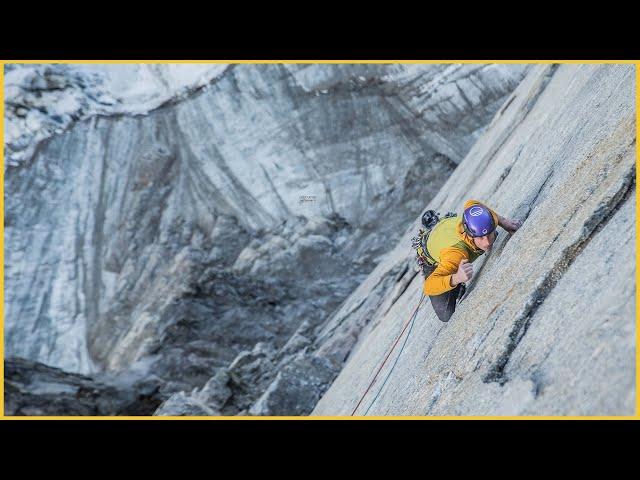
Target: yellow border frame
[{"x": 165, "y": 418}]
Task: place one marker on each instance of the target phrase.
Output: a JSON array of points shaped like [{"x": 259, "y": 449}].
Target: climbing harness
[{"x": 410, "y": 322}]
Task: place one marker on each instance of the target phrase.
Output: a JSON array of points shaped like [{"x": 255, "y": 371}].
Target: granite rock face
[
  {"x": 547, "y": 326},
  {"x": 214, "y": 236}
]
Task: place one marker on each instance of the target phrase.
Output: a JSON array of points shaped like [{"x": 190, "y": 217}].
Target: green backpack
[{"x": 437, "y": 235}]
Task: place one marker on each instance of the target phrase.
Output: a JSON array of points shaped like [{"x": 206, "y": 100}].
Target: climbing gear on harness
[
  {"x": 430, "y": 218},
  {"x": 437, "y": 235},
  {"x": 411, "y": 320},
  {"x": 477, "y": 221},
  {"x": 419, "y": 243}
]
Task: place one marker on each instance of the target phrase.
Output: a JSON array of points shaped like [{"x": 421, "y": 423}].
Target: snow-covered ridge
[{"x": 44, "y": 100}]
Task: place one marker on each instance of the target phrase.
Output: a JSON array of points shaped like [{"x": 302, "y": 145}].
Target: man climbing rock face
[{"x": 455, "y": 244}]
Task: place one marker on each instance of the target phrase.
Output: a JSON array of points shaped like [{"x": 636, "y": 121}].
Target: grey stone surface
[
  {"x": 548, "y": 323},
  {"x": 181, "y": 405},
  {"x": 297, "y": 386},
  {"x": 34, "y": 389}
]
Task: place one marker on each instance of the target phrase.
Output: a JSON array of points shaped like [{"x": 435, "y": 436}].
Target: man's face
[{"x": 485, "y": 243}]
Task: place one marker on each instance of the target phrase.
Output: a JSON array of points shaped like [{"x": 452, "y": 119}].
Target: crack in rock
[{"x": 596, "y": 222}]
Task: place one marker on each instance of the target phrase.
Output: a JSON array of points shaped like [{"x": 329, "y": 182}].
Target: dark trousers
[{"x": 445, "y": 303}]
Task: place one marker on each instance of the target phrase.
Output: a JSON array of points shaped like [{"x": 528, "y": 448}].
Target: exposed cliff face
[
  {"x": 547, "y": 326},
  {"x": 208, "y": 239}
]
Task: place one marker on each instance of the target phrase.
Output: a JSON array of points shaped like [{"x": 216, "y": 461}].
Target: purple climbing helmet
[{"x": 477, "y": 221}]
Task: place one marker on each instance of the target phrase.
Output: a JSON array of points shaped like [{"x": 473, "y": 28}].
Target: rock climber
[{"x": 464, "y": 241}]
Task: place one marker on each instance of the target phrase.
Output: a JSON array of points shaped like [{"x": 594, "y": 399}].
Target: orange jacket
[{"x": 440, "y": 280}]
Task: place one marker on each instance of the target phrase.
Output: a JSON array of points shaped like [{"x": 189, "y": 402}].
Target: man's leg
[{"x": 444, "y": 304}]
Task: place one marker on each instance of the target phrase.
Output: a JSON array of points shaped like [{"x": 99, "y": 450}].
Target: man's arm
[
  {"x": 441, "y": 281},
  {"x": 464, "y": 273},
  {"x": 508, "y": 224}
]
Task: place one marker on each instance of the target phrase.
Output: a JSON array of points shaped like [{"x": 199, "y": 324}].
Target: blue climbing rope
[
  {"x": 410, "y": 324},
  {"x": 413, "y": 320}
]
